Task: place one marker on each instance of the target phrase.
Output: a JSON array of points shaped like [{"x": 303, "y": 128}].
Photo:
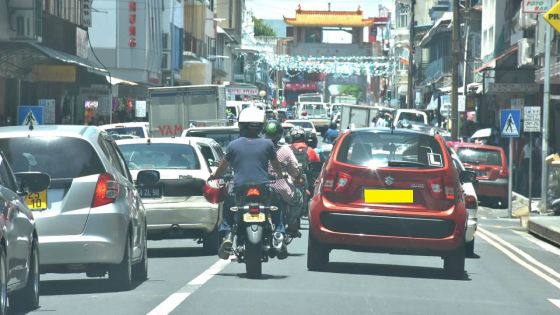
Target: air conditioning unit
[
  {"x": 166, "y": 61},
  {"x": 526, "y": 20},
  {"x": 525, "y": 53}
]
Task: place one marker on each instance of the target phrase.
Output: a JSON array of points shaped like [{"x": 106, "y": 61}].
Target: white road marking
[
  {"x": 519, "y": 261},
  {"x": 544, "y": 245},
  {"x": 183, "y": 293},
  {"x": 555, "y": 302},
  {"x": 521, "y": 253}
]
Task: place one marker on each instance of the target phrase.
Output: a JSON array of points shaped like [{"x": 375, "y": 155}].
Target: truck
[
  {"x": 173, "y": 109},
  {"x": 356, "y": 116}
]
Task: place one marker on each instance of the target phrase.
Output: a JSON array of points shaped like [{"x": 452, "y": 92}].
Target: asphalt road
[{"x": 512, "y": 273}]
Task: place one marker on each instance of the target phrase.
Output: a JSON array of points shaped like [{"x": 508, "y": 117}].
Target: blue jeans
[{"x": 229, "y": 217}]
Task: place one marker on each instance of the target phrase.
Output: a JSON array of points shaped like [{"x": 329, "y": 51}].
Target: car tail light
[
  {"x": 106, "y": 190},
  {"x": 441, "y": 189},
  {"x": 470, "y": 202},
  {"x": 337, "y": 184},
  {"x": 503, "y": 172},
  {"x": 253, "y": 192}
]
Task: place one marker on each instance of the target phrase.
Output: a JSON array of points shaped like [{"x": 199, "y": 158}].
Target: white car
[
  {"x": 175, "y": 207},
  {"x": 127, "y": 130},
  {"x": 305, "y": 124},
  {"x": 471, "y": 203},
  {"x": 411, "y": 115}
]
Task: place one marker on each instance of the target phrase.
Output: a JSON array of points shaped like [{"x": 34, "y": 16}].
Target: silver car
[
  {"x": 175, "y": 207},
  {"x": 91, "y": 218}
]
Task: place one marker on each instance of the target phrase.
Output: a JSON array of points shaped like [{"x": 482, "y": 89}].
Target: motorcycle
[{"x": 253, "y": 229}]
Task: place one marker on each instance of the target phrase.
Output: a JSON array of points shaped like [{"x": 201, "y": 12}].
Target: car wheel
[
  {"x": 3, "y": 282},
  {"x": 211, "y": 241},
  {"x": 317, "y": 254},
  {"x": 469, "y": 249},
  {"x": 140, "y": 270},
  {"x": 121, "y": 275},
  {"x": 28, "y": 297},
  {"x": 454, "y": 263}
]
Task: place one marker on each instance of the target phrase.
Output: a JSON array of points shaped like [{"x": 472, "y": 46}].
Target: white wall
[{"x": 103, "y": 30}]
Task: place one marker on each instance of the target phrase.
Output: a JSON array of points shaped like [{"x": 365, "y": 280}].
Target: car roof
[
  {"x": 298, "y": 120},
  {"x": 395, "y": 131},
  {"x": 173, "y": 140},
  {"x": 124, "y": 125},
  {"x": 202, "y": 140},
  {"x": 214, "y": 128},
  {"x": 78, "y": 131}
]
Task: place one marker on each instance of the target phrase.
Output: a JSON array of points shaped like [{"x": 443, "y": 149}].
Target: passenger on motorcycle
[
  {"x": 248, "y": 156},
  {"x": 285, "y": 188}
]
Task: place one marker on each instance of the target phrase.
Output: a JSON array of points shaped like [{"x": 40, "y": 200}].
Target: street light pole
[
  {"x": 546, "y": 105},
  {"x": 455, "y": 71},
  {"x": 410, "y": 85}
]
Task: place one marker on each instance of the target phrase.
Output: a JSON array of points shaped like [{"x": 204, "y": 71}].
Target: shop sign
[
  {"x": 242, "y": 91},
  {"x": 132, "y": 23},
  {"x": 81, "y": 43},
  {"x": 140, "y": 109},
  {"x": 536, "y": 6},
  {"x": 52, "y": 73},
  {"x": 514, "y": 88},
  {"x": 301, "y": 86},
  {"x": 86, "y": 13}
]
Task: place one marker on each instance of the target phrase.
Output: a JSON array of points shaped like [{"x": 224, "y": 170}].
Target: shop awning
[
  {"x": 115, "y": 80},
  {"x": 18, "y": 58},
  {"x": 492, "y": 63},
  {"x": 443, "y": 24}
]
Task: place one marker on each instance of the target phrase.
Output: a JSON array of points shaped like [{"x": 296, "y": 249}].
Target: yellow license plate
[
  {"x": 248, "y": 217},
  {"x": 388, "y": 195},
  {"x": 37, "y": 201}
]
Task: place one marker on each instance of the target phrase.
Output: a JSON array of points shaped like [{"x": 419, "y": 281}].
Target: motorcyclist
[
  {"x": 248, "y": 156},
  {"x": 289, "y": 194},
  {"x": 306, "y": 156},
  {"x": 331, "y": 134}
]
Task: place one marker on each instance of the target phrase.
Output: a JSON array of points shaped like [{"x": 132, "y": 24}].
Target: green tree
[
  {"x": 352, "y": 90},
  {"x": 262, "y": 29}
]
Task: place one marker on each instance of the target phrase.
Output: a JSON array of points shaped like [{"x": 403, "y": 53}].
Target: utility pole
[
  {"x": 545, "y": 119},
  {"x": 465, "y": 62},
  {"x": 410, "y": 103},
  {"x": 455, "y": 71}
]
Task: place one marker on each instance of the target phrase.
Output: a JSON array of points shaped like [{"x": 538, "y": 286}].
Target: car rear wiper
[{"x": 408, "y": 164}]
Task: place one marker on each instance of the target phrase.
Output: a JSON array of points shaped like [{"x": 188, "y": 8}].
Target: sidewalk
[{"x": 542, "y": 225}]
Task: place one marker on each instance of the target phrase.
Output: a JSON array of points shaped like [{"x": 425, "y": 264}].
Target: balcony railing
[{"x": 437, "y": 69}]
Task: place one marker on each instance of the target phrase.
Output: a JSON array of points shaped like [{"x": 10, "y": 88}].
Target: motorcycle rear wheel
[{"x": 253, "y": 261}]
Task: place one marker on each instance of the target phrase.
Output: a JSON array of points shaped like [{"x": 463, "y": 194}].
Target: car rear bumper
[
  {"x": 184, "y": 215},
  {"x": 393, "y": 231},
  {"x": 472, "y": 224},
  {"x": 492, "y": 188},
  {"x": 101, "y": 242}
]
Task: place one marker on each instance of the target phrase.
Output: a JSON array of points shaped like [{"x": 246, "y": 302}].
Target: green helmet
[{"x": 273, "y": 130}]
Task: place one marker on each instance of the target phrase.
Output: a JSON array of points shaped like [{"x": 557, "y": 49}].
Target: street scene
[{"x": 258, "y": 156}]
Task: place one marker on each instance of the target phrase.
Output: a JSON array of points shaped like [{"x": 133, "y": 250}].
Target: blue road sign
[
  {"x": 30, "y": 114},
  {"x": 510, "y": 123}
]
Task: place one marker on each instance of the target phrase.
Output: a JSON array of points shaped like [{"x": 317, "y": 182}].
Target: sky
[{"x": 275, "y": 9}]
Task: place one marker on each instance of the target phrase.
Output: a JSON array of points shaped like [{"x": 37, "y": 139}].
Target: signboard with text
[
  {"x": 536, "y": 6},
  {"x": 531, "y": 119}
]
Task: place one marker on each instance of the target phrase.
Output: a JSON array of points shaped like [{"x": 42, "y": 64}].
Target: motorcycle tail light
[
  {"x": 253, "y": 192},
  {"x": 254, "y": 210}
]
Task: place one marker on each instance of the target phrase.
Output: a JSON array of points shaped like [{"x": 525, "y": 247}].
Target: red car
[
  {"x": 490, "y": 164},
  {"x": 390, "y": 191}
]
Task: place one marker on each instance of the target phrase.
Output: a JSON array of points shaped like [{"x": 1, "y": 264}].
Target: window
[
  {"x": 6, "y": 176},
  {"x": 402, "y": 15},
  {"x": 207, "y": 153},
  {"x": 479, "y": 156},
  {"x": 160, "y": 156},
  {"x": 111, "y": 155}
]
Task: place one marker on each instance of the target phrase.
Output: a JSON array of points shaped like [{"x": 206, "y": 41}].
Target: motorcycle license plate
[
  {"x": 36, "y": 201},
  {"x": 259, "y": 217}
]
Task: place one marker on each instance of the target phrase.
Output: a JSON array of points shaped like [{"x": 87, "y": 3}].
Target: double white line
[{"x": 528, "y": 262}]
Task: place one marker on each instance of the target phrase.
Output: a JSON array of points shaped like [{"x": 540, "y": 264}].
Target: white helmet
[{"x": 252, "y": 114}]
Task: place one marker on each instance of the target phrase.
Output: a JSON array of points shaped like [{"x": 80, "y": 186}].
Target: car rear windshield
[
  {"x": 131, "y": 131},
  {"x": 222, "y": 137},
  {"x": 479, "y": 156},
  {"x": 302, "y": 124},
  {"x": 377, "y": 150},
  {"x": 60, "y": 157},
  {"x": 412, "y": 117},
  {"x": 140, "y": 156}
]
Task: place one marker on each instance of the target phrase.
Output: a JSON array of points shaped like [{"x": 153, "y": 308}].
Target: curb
[{"x": 550, "y": 232}]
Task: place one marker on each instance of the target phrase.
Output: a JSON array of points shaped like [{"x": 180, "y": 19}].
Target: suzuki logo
[{"x": 389, "y": 180}]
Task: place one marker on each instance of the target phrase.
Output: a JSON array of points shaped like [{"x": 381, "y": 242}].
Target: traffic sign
[
  {"x": 30, "y": 115},
  {"x": 461, "y": 103},
  {"x": 510, "y": 123},
  {"x": 531, "y": 119},
  {"x": 552, "y": 16}
]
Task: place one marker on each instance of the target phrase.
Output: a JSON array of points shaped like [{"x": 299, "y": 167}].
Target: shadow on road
[
  {"x": 389, "y": 270},
  {"x": 244, "y": 276},
  {"x": 174, "y": 252},
  {"x": 79, "y": 286}
]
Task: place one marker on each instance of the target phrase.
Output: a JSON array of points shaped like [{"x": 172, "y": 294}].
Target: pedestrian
[{"x": 524, "y": 178}]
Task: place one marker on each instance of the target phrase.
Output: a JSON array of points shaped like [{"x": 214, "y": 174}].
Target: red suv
[
  {"x": 490, "y": 164},
  {"x": 390, "y": 191}
]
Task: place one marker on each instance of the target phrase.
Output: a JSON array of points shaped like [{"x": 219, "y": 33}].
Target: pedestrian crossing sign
[{"x": 510, "y": 123}]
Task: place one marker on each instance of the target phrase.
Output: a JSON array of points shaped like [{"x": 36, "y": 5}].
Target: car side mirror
[
  {"x": 33, "y": 182},
  {"x": 147, "y": 178},
  {"x": 467, "y": 176}
]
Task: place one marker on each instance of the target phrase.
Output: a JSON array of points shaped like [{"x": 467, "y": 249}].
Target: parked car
[
  {"x": 222, "y": 135},
  {"x": 91, "y": 218},
  {"x": 127, "y": 130},
  {"x": 175, "y": 207},
  {"x": 471, "y": 203},
  {"x": 391, "y": 191},
  {"x": 490, "y": 164},
  {"x": 19, "y": 252}
]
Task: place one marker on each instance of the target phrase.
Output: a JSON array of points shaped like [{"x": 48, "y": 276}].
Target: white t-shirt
[{"x": 526, "y": 151}]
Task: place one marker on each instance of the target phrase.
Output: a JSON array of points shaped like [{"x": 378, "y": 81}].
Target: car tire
[
  {"x": 253, "y": 260},
  {"x": 317, "y": 254},
  {"x": 3, "y": 282},
  {"x": 454, "y": 263},
  {"x": 28, "y": 297},
  {"x": 121, "y": 275},
  {"x": 140, "y": 270},
  {"x": 469, "y": 249},
  {"x": 211, "y": 241}
]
